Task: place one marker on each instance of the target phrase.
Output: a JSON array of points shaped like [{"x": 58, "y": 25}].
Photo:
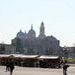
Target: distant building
[
  {"x": 7, "y": 49},
  {"x": 69, "y": 52},
  {"x": 28, "y": 43}
]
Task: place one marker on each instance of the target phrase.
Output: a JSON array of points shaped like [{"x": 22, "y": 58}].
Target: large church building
[{"x": 28, "y": 43}]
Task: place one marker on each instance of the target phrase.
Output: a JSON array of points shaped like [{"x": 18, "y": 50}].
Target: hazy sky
[{"x": 57, "y": 15}]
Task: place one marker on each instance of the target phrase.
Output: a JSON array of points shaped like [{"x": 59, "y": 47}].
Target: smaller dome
[
  {"x": 20, "y": 33},
  {"x": 31, "y": 32}
]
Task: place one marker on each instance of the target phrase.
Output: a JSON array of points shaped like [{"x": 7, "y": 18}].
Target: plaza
[{"x": 36, "y": 71}]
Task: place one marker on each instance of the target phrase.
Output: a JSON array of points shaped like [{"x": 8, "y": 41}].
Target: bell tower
[
  {"x": 42, "y": 31},
  {"x": 42, "y": 28}
]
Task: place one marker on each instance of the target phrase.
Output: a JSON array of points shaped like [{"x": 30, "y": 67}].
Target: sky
[{"x": 58, "y": 17}]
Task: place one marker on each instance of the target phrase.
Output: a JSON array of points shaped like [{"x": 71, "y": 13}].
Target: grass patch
[{"x": 70, "y": 60}]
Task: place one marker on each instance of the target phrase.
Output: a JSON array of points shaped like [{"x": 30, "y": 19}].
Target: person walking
[
  {"x": 7, "y": 65},
  {"x": 65, "y": 66},
  {"x": 11, "y": 66}
]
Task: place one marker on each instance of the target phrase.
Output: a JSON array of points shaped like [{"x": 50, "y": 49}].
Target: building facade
[
  {"x": 69, "y": 52},
  {"x": 7, "y": 49},
  {"x": 28, "y": 43}
]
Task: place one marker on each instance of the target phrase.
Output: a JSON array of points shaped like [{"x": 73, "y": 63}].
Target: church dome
[
  {"x": 20, "y": 34},
  {"x": 31, "y": 32}
]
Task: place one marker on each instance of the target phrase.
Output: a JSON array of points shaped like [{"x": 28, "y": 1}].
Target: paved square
[{"x": 36, "y": 71}]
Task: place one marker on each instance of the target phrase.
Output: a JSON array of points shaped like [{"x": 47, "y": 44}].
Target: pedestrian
[
  {"x": 7, "y": 65},
  {"x": 11, "y": 66},
  {"x": 65, "y": 66}
]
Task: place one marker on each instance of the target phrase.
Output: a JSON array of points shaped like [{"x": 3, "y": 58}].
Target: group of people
[{"x": 10, "y": 66}]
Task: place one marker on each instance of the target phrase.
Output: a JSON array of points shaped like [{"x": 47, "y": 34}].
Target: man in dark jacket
[
  {"x": 7, "y": 66},
  {"x": 11, "y": 66},
  {"x": 65, "y": 66}
]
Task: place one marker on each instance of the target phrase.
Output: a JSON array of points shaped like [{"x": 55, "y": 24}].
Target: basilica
[{"x": 29, "y": 44}]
